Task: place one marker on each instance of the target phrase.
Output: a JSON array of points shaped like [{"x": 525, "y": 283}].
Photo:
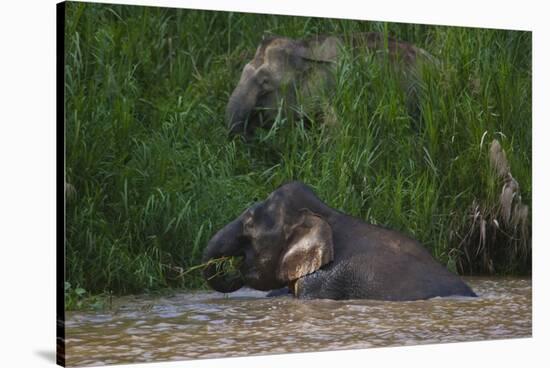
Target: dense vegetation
[{"x": 155, "y": 174}]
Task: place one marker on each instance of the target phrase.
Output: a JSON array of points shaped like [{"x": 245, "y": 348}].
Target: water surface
[{"x": 208, "y": 324}]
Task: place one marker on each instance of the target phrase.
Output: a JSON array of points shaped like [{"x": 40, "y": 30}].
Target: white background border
[{"x": 27, "y": 179}]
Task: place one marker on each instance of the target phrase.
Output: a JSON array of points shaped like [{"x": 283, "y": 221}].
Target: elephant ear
[
  {"x": 320, "y": 49},
  {"x": 309, "y": 246}
]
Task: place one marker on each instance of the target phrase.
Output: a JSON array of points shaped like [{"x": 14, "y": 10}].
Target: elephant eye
[
  {"x": 263, "y": 79},
  {"x": 264, "y": 83}
]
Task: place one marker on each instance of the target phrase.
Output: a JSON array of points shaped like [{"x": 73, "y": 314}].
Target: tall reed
[{"x": 155, "y": 174}]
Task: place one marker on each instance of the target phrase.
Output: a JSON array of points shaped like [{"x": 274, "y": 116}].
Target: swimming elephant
[
  {"x": 287, "y": 76},
  {"x": 294, "y": 239}
]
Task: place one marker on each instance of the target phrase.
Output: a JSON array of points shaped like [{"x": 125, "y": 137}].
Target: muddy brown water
[{"x": 208, "y": 324}]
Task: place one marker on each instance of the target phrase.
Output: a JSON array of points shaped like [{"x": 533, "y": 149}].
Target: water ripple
[{"x": 202, "y": 325}]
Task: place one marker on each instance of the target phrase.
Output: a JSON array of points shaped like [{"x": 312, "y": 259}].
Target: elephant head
[
  {"x": 282, "y": 71},
  {"x": 281, "y": 239},
  {"x": 288, "y": 76}
]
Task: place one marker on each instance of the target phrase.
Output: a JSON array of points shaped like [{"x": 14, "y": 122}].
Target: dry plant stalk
[
  {"x": 499, "y": 230},
  {"x": 225, "y": 265}
]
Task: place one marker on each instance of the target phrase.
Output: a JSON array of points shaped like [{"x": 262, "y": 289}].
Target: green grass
[{"x": 156, "y": 175}]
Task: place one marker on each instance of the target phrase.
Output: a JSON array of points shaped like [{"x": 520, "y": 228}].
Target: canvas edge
[{"x": 60, "y": 178}]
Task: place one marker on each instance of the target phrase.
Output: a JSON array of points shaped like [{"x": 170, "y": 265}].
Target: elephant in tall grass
[
  {"x": 294, "y": 239},
  {"x": 287, "y": 77}
]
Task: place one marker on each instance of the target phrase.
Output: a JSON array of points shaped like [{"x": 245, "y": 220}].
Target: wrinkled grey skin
[
  {"x": 293, "y": 239},
  {"x": 290, "y": 77}
]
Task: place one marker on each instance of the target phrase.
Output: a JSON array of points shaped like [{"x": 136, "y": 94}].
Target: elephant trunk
[
  {"x": 240, "y": 105},
  {"x": 225, "y": 243}
]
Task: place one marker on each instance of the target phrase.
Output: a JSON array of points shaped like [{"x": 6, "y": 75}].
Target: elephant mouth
[{"x": 226, "y": 274}]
